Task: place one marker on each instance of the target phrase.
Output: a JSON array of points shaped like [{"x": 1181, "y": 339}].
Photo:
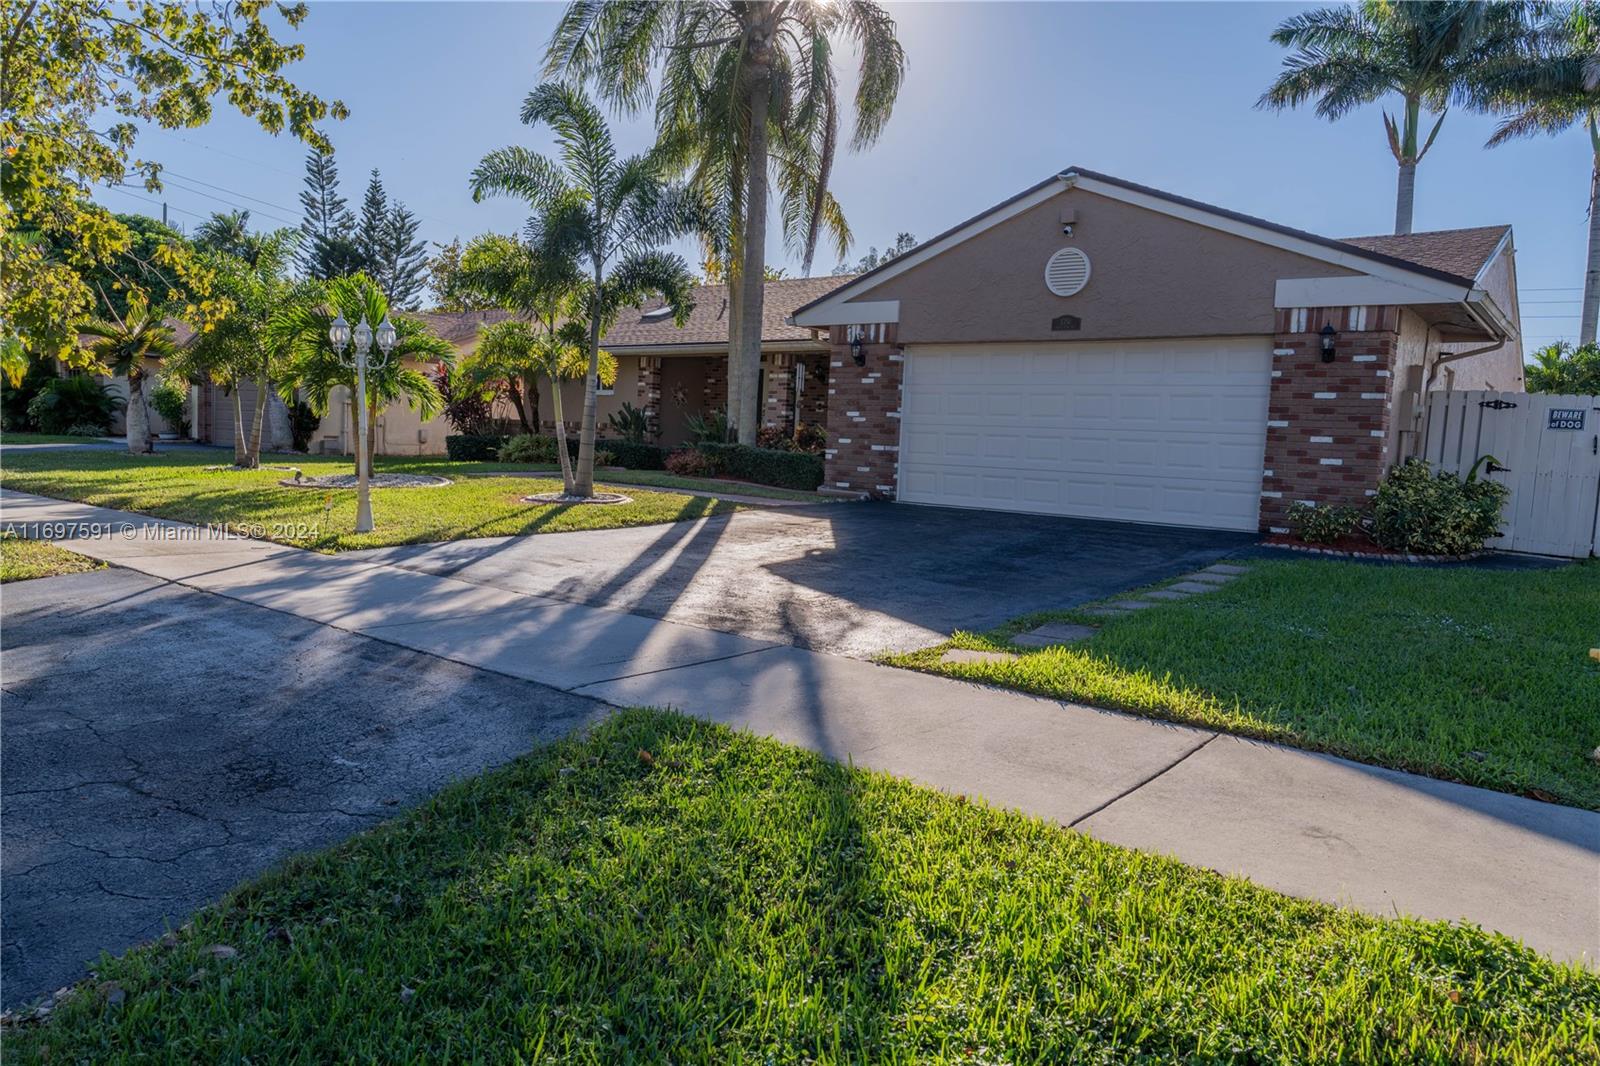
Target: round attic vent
[{"x": 1067, "y": 272}]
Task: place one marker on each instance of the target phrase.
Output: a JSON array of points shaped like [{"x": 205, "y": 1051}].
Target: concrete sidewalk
[{"x": 1306, "y": 824}]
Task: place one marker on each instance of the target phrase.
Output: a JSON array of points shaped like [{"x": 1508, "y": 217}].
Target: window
[
  {"x": 1355, "y": 319},
  {"x": 656, "y": 314},
  {"x": 602, "y": 389},
  {"x": 1297, "y": 320}
]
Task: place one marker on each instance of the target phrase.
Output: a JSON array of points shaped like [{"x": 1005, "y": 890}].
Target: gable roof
[
  {"x": 1425, "y": 258},
  {"x": 459, "y": 327},
  {"x": 1462, "y": 253},
  {"x": 708, "y": 322}
]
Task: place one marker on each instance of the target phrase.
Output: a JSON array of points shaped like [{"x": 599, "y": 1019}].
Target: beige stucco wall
[
  {"x": 1500, "y": 370},
  {"x": 1151, "y": 276}
]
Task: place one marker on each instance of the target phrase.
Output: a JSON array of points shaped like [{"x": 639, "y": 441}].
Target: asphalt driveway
[
  {"x": 849, "y": 578},
  {"x": 163, "y": 744}
]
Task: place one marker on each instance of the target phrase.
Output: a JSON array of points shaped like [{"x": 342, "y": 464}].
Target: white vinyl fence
[{"x": 1546, "y": 450}]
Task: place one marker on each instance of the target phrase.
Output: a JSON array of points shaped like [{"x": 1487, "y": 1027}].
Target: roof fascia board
[
  {"x": 1264, "y": 235},
  {"x": 1358, "y": 291},
  {"x": 848, "y": 314},
  {"x": 1505, "y": 239}
]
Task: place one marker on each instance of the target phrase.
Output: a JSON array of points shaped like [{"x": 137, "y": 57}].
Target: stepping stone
[
  {"x": 1210, "y": 578},
  {"x": 1130, "y": 605},
  {"x": 1192, "y": 586},
  {"x": 1108, "y": 611},
  {"x": 1054, "y": 633},
  {"x": 1167, "y": 594},
  {"x": 967, "y": 655},
  {"x": 1226, "y": 568}
]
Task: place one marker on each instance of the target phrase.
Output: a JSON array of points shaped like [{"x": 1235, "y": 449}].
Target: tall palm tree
[
  {"x": 752, "y": 77},
  {"x": 610, "y": 214},
  {"x": 228, "y": 232},
  {"x": 313, "y": 369},
  {"x": 1549, "y": 87},
  {"x": 126, "y": 345},
  {"x": 1426, "y": 53}
]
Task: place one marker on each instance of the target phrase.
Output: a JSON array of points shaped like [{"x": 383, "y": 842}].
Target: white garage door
[{"x": 1144, "y": 431}]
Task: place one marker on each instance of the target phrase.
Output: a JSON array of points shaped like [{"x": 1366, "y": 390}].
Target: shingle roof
[
  {"x": 459, "y": 327},
  {"x": 708, "y": 322},
  {"x": 1462, "y": 252}
]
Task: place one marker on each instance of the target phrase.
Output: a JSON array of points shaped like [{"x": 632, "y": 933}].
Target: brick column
[
  {"x": 714, "y": 393},
  {"x": 864, "y": 415},
  {"x": 650, "y": 393},
  {"x": 777, "y": 406},
  {"x": 1327, "y": 423}
]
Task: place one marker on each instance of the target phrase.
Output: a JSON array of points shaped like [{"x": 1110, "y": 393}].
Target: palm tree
[
  {"x": 314, "y": 369},
  {"x": 1427, "y": 53},
  {"x": 126, "y": 345},
  {"x": 1550, "y": 87},
  {"x": 250, "y": 271},
  {"x": 608, "y": 213},
  {"x": 721, "y": 63}
]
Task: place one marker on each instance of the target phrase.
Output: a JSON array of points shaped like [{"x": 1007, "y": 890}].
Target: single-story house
[{"x": 1097, "y": 348}]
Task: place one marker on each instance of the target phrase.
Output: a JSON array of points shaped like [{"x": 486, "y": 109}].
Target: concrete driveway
[
  {"x": 163, "y": 744},
  {"x": 851, "y": 579}
]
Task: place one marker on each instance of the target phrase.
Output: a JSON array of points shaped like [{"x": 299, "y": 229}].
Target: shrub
[
  {"x": 629, "y": 424},
  {"x": 469, "y": 448},
  {"x": 603, "y": 457},
  {"x": 1318, "y": 523},
  {"x": 810, "y": 438},
  {"x": 303, "y": 423},
  {"x": 14, "y": 399},
  {"x": 1418, "y": 511},
  {"x": 469, "y": 413},
  {"x": 1561, "y": 368},
  {"x": 528, "y": 448},
  {"x": 711, "y": 428},
  {"x": 170, "y": 400},
  {"x": 636, "y": 456},
  {"x": 689, "y": 463},
  {"x": 67, "y": 404},
  {"x": 764, "y": 466},
  {"x": 86, "y": 429}
]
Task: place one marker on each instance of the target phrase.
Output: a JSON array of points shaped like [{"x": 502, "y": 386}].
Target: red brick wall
[
  {"x": 1327, "y": 423},
  {"x": 864, "y": 415},
  {"x": 777, "y": 406},
  {"x": 649, "y": 388}
]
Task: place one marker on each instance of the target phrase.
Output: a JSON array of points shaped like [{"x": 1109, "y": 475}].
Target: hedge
[
  {"x": 764, "y": 466},
  {"x": 468, "y": 448},
  {"x": 634, "y": 455}
]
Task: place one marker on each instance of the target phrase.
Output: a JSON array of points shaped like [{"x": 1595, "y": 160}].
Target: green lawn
[
  {"x": 653, "y": 478},
  {"x": 23, "y": 560},
  {"x": 668, "y": 891},
  {"x": 176, "y": 485},
  {"x": 1474, "y": 675}
]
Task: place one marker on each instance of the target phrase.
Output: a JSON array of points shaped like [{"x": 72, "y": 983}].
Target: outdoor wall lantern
[
  {"x": 339, "y": 336},
  {"x": 858, "y": 351},
  {"x": 1329, "y": 334}
]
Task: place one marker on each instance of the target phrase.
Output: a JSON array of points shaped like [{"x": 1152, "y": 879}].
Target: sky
[{"x": 997, "y": 97}]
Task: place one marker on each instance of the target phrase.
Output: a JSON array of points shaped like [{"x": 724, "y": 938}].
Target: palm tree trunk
[
  {"x": 1591, "y": 276},
  {"x": 754, "y": 267},
  {"x": 735, "y": 367},
  {"x": 279, "y": 432},
  {"x": 530, "y": 396},
  {"x": 241, "y": 444},
  {"x": 138, "y": 418},
  {"x": 583, "y": 477},
  {"x": 1404, "y": 195},
  {"x": 563, "y": 456},
  {"x": 257, "y": 421}
]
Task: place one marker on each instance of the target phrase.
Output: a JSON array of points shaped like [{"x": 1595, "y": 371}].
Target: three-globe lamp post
[{"x": 360, "y": 359}]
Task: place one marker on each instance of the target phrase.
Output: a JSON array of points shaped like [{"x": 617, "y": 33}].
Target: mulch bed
[{"x": 1355, "y": 547}]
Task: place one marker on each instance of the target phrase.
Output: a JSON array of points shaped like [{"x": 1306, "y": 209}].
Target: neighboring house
[
  {"x": 671, "y": 373},
  {"x": 1097, "y": 348}
]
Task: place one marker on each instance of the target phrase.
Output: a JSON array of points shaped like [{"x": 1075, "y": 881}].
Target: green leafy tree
[
  {"x": 251, "y": 273},
  {"x": 1428, "y": 54},
  {"x": 76, "y": 80},
  {"x": 608, "y": 213},
  {"x": 1562, "y": 369},
  {"x": 131, "y": 345},
  {"x": 139, "y": 270},
  {"x": 405, "y": 258},
  {"x": 1549, "y": 86},
  {"x": 444, "y": 283},
  {"x": 313, "y": 369},
  {"x": 748, "y": 89}
]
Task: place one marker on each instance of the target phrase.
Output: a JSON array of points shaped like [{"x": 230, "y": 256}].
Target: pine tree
[
  {"x": 405, "y": 264},
  {"x": 327, "y": 219},
  {"x": 372, "y": 231}
]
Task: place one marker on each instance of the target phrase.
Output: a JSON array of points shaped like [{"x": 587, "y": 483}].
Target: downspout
[{"x": 1469, "y": 353}]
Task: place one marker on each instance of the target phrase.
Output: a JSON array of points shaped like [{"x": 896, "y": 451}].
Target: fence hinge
[{"x": 1497, "y": 405}]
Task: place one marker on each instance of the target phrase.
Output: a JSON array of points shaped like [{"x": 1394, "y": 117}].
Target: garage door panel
[{"x": 1160, "y": 432}]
